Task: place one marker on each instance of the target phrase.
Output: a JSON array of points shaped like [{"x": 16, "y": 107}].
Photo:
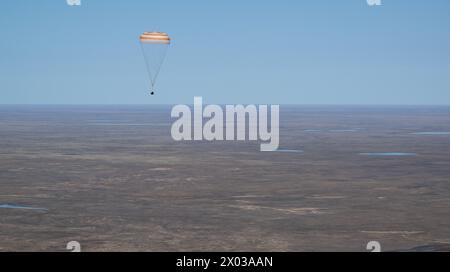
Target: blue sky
[{"x": 263, "y": 52}]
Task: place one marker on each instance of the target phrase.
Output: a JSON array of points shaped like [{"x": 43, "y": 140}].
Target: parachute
[{"x": 154, "y": 48}]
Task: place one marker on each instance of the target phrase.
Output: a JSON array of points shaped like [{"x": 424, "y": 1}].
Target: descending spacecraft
[{"x": 154, "y": 48}]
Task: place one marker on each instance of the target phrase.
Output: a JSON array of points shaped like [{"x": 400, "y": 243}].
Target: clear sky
[{"x": 230, "y": 51}]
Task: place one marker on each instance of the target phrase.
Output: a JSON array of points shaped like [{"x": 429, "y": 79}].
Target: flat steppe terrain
[{"x": 112, "y": 178}]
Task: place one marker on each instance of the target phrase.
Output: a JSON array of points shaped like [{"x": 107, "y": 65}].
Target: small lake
[
  {"x": 333, "y": 130},
  {"x": 389, "y": 154},
  {"x": 432, "y": 133},
  {"x": 126, "y": 124},
  {"x": 288, "y": 151},
  {"x": 344, "y": 130},
  {"x": 19, "y": 207}
]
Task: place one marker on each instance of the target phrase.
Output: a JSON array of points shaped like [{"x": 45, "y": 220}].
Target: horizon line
[{"x": 282, "y": 104}]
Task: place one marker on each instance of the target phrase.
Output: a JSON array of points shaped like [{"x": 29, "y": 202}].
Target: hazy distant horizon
[{"x": 240, "y": 103}]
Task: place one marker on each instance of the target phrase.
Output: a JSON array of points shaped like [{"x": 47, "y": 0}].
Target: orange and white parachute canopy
[{"x": 155, "y": 38}]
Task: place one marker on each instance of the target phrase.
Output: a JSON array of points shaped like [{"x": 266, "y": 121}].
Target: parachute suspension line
[
  {"x": 147, "y": 65},
  {"x": 147, "y": 60},
  {"x": 160, "y": 65}
]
